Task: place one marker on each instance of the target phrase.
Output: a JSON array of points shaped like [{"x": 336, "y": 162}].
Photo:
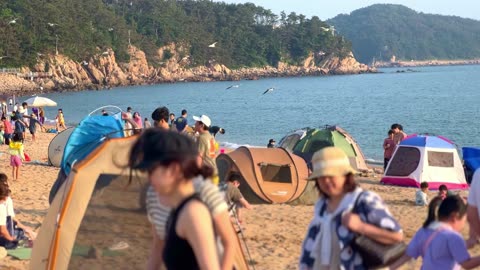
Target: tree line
[
  {"x": 383, "y": 30},
  {"x": 237, "y": 35}
]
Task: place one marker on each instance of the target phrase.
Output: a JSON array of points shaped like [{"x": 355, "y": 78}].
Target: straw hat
[{"x": 330, "y": 161}]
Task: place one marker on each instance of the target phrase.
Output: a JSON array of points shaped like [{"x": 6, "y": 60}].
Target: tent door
[{"x": 279, "y": 173}]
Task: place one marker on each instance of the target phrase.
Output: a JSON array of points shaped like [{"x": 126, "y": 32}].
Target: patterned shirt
[{"x": 371, "y": 209}]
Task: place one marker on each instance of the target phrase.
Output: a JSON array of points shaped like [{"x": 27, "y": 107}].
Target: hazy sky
[{"x": 329, "y": 9}]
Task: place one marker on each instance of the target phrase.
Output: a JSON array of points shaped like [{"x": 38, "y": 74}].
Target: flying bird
[
  {"x": 268, "y": 90},
  {"x": 13, "y": 21},
  {"x": 212, "y": 45},
  {"x": 52, "y": 24},
  {"x": 233, "y": 86}
]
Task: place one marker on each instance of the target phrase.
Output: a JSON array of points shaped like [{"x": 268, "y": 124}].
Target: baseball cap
[{"x": 204, "y": 119}]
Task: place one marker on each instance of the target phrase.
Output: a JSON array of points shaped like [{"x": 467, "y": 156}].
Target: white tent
[{"x": 431, "y": 159}]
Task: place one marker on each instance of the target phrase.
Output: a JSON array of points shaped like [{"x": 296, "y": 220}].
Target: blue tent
[
  {"x": 88, "y": 135},
  {"x": 471, "y": 159}
]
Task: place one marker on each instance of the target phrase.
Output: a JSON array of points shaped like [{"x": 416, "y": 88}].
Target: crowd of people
[{"x": 184, "y": 189}]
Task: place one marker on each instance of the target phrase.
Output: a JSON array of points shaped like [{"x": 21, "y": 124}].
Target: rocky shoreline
[
  {"x": 58, "y": 73},
  {"x": 425, "y": 63}
]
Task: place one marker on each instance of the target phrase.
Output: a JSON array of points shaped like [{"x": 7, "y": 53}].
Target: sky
[{"x": 329, "y": 9}]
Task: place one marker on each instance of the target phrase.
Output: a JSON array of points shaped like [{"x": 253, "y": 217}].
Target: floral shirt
[{"x": 371, "y": 209}]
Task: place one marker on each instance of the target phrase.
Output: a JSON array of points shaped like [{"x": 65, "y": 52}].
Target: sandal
[{"x": 119, "y": 246}]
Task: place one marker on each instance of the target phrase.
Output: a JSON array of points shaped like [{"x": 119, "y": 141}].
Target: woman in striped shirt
[{"x": 146, "y": 155}]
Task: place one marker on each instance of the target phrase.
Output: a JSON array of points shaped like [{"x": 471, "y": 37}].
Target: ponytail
[
  {"x": 205, "y": 171},
  {"x": 432, "y": 211}
]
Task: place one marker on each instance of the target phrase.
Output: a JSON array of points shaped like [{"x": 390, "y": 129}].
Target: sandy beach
[{"x": 274, "y": 233}]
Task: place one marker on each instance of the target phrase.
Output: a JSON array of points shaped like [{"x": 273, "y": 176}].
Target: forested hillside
[
  {"x": 242, "y": 35},
  {"x": 380, "y": 31}
]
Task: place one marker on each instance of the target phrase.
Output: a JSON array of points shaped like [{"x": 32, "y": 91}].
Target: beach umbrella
[{"x": 40, "y": 102}]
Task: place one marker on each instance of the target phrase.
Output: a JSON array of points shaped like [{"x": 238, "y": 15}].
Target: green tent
[{"x": 316, "y": 139}]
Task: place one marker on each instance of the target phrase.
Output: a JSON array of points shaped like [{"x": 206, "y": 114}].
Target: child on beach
[
  {"x": 439, "y": 241},
  {"x": 388, "y": 148},
  {"x": 443, "y": 192},
  {"x": 421, "y": 198},
  {"x": 8, "y": 130},
  {"x": 16, "y": 155},
  {"x": 60, "y": 119},
  {"x": 235, "y": 197}
]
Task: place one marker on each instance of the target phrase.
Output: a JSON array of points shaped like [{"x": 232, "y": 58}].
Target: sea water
[{"x": 437, "y": 100}]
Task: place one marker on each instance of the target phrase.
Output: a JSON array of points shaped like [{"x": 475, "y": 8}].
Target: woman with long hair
[
  {"x": 172, "y": 162},
  {"x": 343, "y": 211}
]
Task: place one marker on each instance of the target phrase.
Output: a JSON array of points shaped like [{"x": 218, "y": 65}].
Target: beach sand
[{"x": 273, "y": 233}]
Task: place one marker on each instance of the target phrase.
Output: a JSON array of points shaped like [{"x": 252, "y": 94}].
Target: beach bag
[{"x": 374, "y": 254}]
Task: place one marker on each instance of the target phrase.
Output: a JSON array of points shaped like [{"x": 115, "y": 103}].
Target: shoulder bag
[{"x": 374, "y": 254}]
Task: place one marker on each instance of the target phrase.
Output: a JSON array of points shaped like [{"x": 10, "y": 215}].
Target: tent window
[
  {"x": 278, "y": 173},
  {"x": 290, "y": 141},
  {"x": 404, "y": 162},
  {"x": 440, "y": 159}
]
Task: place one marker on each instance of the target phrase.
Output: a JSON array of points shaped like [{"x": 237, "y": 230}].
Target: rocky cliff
[{"x": 103, "y": 71}]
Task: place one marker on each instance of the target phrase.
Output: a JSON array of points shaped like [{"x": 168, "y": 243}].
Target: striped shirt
[{"x": 158, "y": 213}]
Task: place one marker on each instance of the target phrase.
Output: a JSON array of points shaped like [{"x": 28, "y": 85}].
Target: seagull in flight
[
  {"x": 233, "y": 86},
  {"x": 52, "y": 24},
  {"x": 212, "y": 45},
  {"x": 269, "y": 90},
  {"x": 13, "y": 21}
]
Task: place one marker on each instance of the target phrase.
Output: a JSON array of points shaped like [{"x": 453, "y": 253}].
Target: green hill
[
  {"x": 382, "y": 30},
  {"x": 246, "y": 35}
]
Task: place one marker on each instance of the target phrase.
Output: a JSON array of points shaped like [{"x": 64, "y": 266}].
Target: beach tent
[
  {"x": 431, "y": 159},
  {"x": 95, "y": 210},
  {"x": 57, "y": 146},
  {"x": 316, "y": 139},
  {"x": 88, "y": 135},
  {"x": 268, "y": 175},
  {"x": 471, "y": 159}
]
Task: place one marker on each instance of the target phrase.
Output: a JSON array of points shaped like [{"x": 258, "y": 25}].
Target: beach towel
[{"x": 20, "y": 253}]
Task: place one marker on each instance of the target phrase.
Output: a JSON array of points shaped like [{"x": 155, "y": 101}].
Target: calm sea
[{"x": 438, "y": 100}]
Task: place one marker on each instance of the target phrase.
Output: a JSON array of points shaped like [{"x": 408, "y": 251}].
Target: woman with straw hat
[{"x": 329, "y": 240}]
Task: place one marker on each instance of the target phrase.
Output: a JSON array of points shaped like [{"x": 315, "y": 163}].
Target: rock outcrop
[{"x": 103, "y": 71}]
